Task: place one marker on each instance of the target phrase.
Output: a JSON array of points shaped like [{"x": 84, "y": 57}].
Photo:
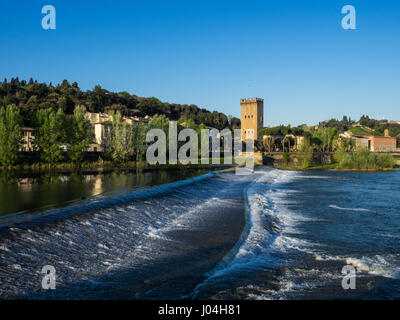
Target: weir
[{"x": 129, "y": 247}]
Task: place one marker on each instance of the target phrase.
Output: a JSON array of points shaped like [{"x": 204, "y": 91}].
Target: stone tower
[{"x": 252, "y": 116}]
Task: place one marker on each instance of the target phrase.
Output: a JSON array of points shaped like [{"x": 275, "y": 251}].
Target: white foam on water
[
  {"x": 381, "y": 265},
  {"x": 116, "y": 235},
  {"x": 101, "y": 245},
  {"x": 388, "y": 235},
  {"x": 4, "y": 248},
  {"x": 333, "y": 206},
  {"x": 258, "y": 246}
]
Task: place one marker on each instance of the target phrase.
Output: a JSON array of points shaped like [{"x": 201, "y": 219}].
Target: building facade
[
  {"x": 102, "y": 122},
  {"x": 252, "y": 117},
  {"x": 382, "y": 144},
  {"x": 373, "y": 143},
  {"x": 28, "y": 140}
]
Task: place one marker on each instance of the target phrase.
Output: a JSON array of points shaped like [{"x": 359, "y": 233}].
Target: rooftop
[{"x": 250, "y": 100}]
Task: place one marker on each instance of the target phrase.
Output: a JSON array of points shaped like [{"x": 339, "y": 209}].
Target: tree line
[
  {"x": 31, "y": 96},
  {"x": 53, "y": 130},
  {"x": 58, "y": 136},
  {"x": 374, "y": 127}
]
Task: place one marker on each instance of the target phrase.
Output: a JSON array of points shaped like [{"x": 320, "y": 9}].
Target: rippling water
[
  {"x": 270, "y": 235},
  {"x": 304, "y": 227}
]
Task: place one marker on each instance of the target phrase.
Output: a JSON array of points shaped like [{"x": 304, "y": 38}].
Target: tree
[
  {"x": 305, "y": 153},
  {"x": 235, "y": 123},
  {"x": 10, "y": 134},
  {"x": 290, "y": 141},
  {"x": 268, "y": 142},
  {"x": 159, "y": 121},
  {"x": 34, "y": 96},
  {"x": 50, "y": 134},
  {"x": 123, "y": 139},
  {"x": 340, "y": 153},
  {"x": 118, "y": 139},
  {"x": 324, "y": 138},
  {"x": 150, "y": 106},
  {"x": 80, "y": 135},
  {"x": 139, "y": 140}
]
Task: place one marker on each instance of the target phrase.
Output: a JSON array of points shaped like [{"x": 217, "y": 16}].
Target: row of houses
[
  {"x": 99, "y": 122},
  {"x": 384, "y": 143}
]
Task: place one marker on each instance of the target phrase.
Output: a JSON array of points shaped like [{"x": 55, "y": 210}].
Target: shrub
[
  {"x": 340, "y": 154},
  {"x": 286, "y": 158},
  {"x": 305, "y": 154},
  {"x": 362, "y": 159}
]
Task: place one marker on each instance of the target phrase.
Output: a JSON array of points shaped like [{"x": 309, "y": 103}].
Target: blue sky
[{"x": 294, "y": 54}]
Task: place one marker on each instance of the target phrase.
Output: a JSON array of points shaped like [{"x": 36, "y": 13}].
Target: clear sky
[{"x": 211, "y": 53}]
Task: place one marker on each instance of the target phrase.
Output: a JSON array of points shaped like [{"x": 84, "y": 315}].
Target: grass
[
  {"x": 360, "y": 160},
  {"x": 363, "y": 159},
  {"x": 361, "y": 130},
  {"x": 331, "y": 166}
]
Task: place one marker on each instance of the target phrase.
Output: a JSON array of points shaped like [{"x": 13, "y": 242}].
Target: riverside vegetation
[
  {"x": 63, "y": 133},
  {"x": 62, "y": 140},
  {"x": 334, "y": 152},
  {"x": 123, "y": 144},
  {"x": 360, "y": 160}
]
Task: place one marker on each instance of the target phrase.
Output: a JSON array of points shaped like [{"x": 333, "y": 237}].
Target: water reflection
[{"x": 31, "y": 192}]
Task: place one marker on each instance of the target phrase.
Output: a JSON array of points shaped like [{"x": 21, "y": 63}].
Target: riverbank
[
  {"x": 331, "y": 167},
  {"x": 103, "y": 166},
  {"x": 360, "y": 160}
]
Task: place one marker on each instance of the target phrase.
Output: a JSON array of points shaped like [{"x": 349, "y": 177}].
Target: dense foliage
[
  {"x": 10, "y": 134},
  {"x": 55, "y": 134},
  {"x": 363, "y": 159},
  {"x": 32, "y": 96},
  {"x": 50, "y": 134},
  {"x": 365, "y": 125},
  {"x": 79, "y": 134}
]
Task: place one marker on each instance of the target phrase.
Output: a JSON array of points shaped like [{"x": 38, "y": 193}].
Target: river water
[{"x": 269, "y": 235}]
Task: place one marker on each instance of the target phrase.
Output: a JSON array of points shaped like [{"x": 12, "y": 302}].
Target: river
[{"x": 272, "y": 234}]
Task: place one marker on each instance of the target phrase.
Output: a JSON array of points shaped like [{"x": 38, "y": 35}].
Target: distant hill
[
  {"x": 365, "y": 126},
  {"x": 31, "y": 96}
]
